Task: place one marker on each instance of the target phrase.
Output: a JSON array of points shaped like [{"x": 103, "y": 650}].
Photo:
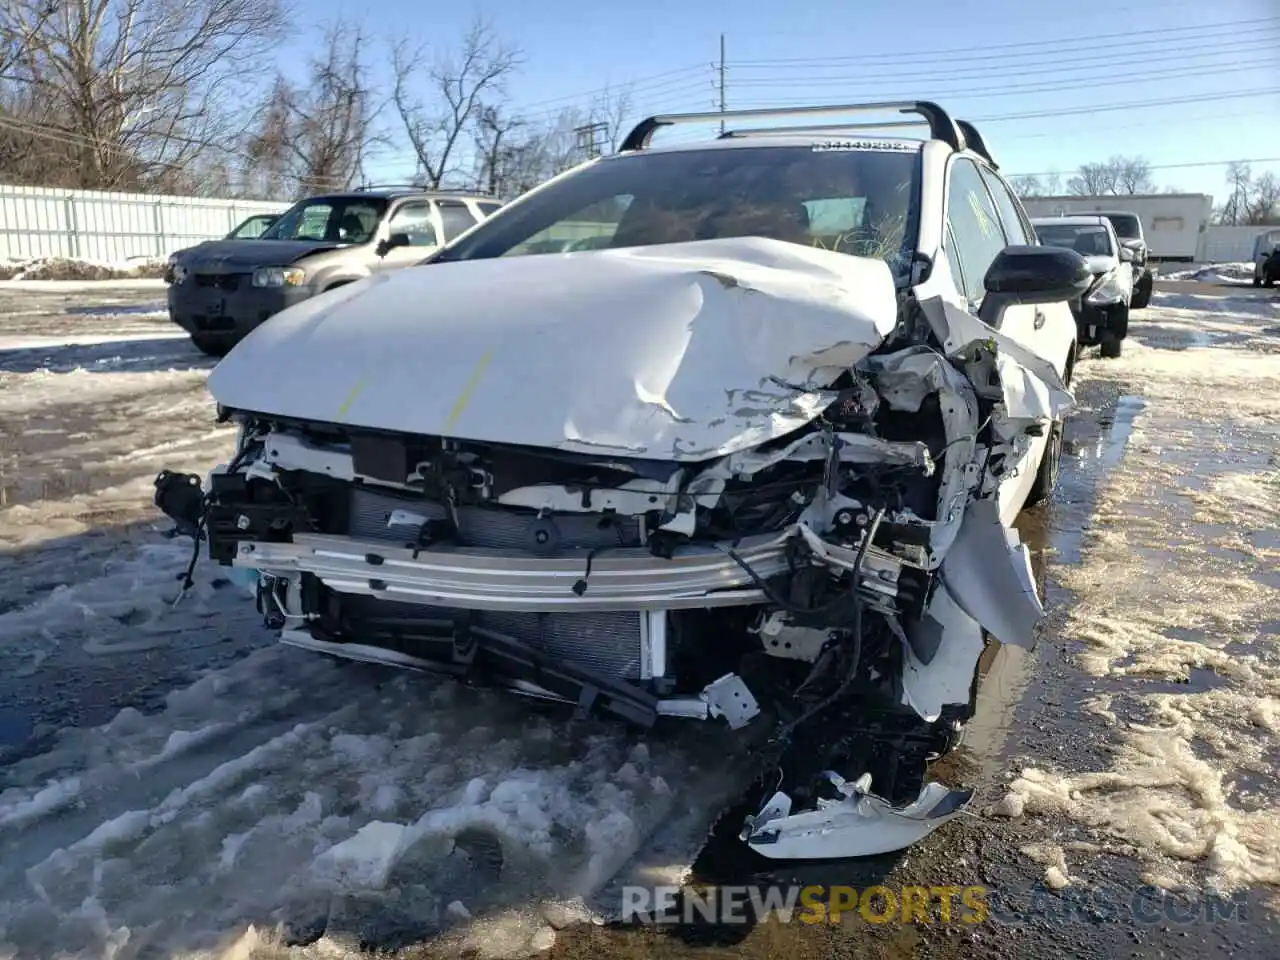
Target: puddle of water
[{"x": 1117, "y": 429}]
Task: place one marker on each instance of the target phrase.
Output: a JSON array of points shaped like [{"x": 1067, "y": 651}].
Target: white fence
[
  {"x": 1225, "y": 244},
  {"x": 112, "y": 227}
]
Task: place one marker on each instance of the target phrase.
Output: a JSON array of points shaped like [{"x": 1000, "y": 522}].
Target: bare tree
[
  {"x": 612, "y": 108},
  {"x": 1027, "y": 186},
  {"x": 1133, "y": 175},
  {"x": 1263, "y": 205},
  {"x": 314, "y": 136},
  {"x": 1118, "y": 175},
  {"x": 1240, "y": 181},
  {"x": 136, "y": 88},
  {"x": 458, "y": 86},
  {"x": 1092, "y": 179}
]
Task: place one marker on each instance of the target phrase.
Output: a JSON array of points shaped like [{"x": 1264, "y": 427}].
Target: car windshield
[
  {"x": 252, "y": 228},
  {"x": 1126, "y": 225},
  {"x": 1088, "y": 240},
  {"x": 329, "y": 220},
  {"x": 860, "y": 202}
]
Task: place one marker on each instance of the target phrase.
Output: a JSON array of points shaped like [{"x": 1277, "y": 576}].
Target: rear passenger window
[
  {"x": 456, "y": 217},
  {"x": 1016, "y": 227},
  {"x": 974, "y": 224}
]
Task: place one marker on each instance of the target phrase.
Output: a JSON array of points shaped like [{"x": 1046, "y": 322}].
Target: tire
[
  {"x": 1118, "y": 321},
  {"x": 1257, "y": 280},
  {"x": 211, "y": 346},
  {"x": 1110, "y": 347},
  {"x": 1142, "y": 293},
  {"x": 1047, "y": 473}
]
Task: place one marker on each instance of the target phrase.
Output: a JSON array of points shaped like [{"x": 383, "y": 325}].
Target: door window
[
  {"x": 414, "y": 219},
  {"x": 974, "y": 224},
  {"x": 1016, "y": 227},
  {"x": 456, "y": 218}
]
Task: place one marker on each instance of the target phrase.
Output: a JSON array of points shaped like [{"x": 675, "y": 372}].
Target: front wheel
[
  {"x": 1142, "y": 293},
  {"x": 1110, "y": 347},
  {"x": 1050, "y": 466}
]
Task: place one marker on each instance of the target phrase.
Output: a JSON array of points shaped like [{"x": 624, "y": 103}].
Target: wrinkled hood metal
[
  {"x": 239, "y": 255},
  {"x": 676, "y": 352}
]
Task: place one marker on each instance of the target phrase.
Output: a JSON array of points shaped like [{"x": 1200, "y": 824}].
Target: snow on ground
[
  {"x": 261, "y": 792},
  {"x": 249, "y": 796},
  {"x": 1177, "y": 606},
  {"x": 21, "y": 271},
  {"x": 1212, "y": 273}
]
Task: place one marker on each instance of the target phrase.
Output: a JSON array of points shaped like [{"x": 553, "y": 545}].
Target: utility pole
[{"x": 722, "y": 100}]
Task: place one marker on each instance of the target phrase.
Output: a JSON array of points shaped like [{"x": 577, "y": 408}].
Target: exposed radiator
[{"x": 606, "y": 643}]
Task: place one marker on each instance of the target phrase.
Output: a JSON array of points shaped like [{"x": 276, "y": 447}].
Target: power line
[
  {"x": 626, "y": 86},
  {"x": 1061, "y": 86},
  {"x": 1199, "y": 51},
  {"x": 1168, "y": 166},
  {"x": 1088, "y": 43}
]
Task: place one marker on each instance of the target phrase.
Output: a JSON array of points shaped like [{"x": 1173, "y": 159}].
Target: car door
[
  {"x": 416, "y": 220},
  {"x": 1050, "y": 328},
  {"x": 975, "y": 235}
]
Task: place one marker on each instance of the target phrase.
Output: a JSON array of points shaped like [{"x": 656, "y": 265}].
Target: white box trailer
[{"x": 1173, "y": 223}]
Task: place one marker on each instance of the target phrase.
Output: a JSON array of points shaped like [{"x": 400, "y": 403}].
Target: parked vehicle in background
[
  {"x": 1173, "y": 224},
  {"x": 253, "y": 227},
  {"x": 221, "y": 289},
  {"x": 1265, "y": 265},
  {"x": 1102, "y": 312},
  {"x": 753, "y": 449},
  {"x": 1128, "y": 228}
]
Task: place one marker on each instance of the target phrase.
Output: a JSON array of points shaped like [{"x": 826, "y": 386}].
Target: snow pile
[
  {"x": 296, "y": 794},
  {"x": 67, "y": 268},
  {"x": 1175, "y": 609},
  {"x": 1213, "y": 273}
]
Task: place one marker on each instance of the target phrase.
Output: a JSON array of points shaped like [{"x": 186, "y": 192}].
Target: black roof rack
[
  {"x": 420, "y": 188},
  {"x": 973, "y": 139},
  {"x": 941, "y": 126},
  {"x": 815, "y": 128}
]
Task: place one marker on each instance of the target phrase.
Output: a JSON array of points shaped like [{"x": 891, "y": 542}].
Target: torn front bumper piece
[{"x": 856, "y": 824}]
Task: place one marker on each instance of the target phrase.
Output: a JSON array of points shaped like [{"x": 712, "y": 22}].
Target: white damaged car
[{"x": 750, "y": 456}]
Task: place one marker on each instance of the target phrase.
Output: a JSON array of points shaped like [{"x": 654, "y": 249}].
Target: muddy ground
[{"x": 167, "y": 774}]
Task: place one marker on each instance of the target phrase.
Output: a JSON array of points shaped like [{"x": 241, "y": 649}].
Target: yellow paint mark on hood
[{"x": 468, "y": 390}]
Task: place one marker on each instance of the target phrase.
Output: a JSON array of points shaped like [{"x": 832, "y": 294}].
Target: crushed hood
[
  {"x": 678, "y": 352},
  {"x": 237, "y": 255}
]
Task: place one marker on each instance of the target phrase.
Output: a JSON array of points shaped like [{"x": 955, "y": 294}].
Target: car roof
[
  {"x": 396, "y": 193},
  {"x": 1076, "y": 220}
]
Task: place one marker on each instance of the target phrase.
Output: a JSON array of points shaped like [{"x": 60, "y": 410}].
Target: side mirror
[
  {"x": 1127, "y": 254},
  {"x": 393, "y": 241},
  {"x": 1030, "y": 275}
]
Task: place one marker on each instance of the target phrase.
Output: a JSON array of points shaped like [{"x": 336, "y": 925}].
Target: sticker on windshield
[{"x": 824, "y": 145}]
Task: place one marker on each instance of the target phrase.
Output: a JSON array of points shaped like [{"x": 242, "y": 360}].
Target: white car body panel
[
  {"x": 687, "y": 353},
  {"x": 677, "y": 352}
]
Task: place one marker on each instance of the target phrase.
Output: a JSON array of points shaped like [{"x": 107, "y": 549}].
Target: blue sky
[{"x": 1013, "y": 57}]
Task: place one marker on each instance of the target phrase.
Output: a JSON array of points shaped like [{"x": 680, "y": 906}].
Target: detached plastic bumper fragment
[{"x": 856, "y": 824}]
